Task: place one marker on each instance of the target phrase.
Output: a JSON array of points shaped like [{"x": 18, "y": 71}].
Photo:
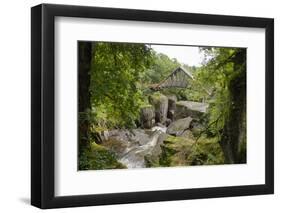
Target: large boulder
[
  {"x": 130, "y": 137},
  {"x": 196, "y": 127},
  {"x": 179, "y": 126},
  {"x": 152, "y": 158},
  {"x": 190, "y": 108},
  {"x": 172, "y": 100},
  {"x": 147, "y": 115},
  {"x": 132, "y": 147},
  {"x": 160, "y": 103},
  {"x": 170, "y": 151}
]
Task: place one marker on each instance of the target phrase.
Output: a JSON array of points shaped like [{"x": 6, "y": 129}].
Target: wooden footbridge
[{"x": 179, "y": 78}]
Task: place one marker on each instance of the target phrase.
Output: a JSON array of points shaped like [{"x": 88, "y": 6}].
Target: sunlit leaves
[{"x": 116, "y": 68}]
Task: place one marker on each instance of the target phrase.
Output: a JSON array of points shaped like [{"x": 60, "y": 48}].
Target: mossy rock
[
  {"x": 160, "y": 103},
  {"x": 176, "y": 142},
  {"x": 175, "y": 151},
  {"x": 190, "y": 108},
  {"x": 188, "y": 134},
  {"x": 179, "y": 126},
  {"x": 97, "y": 157},
  {"x": 206, "y": 151},
  {"x": 147, "y": 115},
  {"x": 152, "y": 159}
]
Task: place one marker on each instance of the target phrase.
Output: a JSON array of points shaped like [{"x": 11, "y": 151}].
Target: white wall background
[{"x": 15, "y": 105}]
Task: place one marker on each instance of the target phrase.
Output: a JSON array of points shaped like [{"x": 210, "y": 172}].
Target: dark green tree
[
  {"x": 115, "y": 82},
  {"x": 84, "y": 67},
  {"x": 224, "y": 74},
  {"x": 160, "y": 68}
]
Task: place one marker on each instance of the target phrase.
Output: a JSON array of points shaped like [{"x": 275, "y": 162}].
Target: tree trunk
[
  {"x": 233, "y": 141},
  {"x": 84, "y": 60}
]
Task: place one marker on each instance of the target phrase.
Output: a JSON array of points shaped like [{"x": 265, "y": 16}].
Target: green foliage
[
  {"x": 116, "y": 71},
  {"x": 216, "y": 74},
  {"x": 223, "y": 74},
  {"x": 175, "y": 151},
  {"x": 160, "y": 68},
  {"x": 206, "y": 151},
  {"x": 98, "y": 157},
  {"x": 120, "y": 75}
]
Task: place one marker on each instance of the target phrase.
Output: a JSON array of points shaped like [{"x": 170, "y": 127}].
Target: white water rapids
[{"x": 137, "y": 145}]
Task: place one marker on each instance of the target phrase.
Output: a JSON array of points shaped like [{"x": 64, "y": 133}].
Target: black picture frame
[{"x": 43, "y": 102}]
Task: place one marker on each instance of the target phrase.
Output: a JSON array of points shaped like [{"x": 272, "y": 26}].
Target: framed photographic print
[{"x": 140, "y": 106}]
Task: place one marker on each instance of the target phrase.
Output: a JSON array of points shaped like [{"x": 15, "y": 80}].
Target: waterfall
[{"x": 134, "y": 158}]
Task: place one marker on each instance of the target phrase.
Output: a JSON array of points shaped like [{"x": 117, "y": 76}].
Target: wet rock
[
  {"x": 147, "y": 115},
  {"x": 177, "y": 127},
  {"x": 138, "y": 136},
  {"x": 152, "y": 158},
  {"x": 160, "y": 125},
  {"x": 168, "y": 122},
  {"x": 171, "y": 114},
  {"x": 190, "y": 108},
  {"x": 141, "y": 136},
  {"x": 132, "y": 146},
  {"x": 116, "y": 146},
  {"x": 172, "y": 99},
  {"x": 160, "y": 103},
  {"x": 135, "y": 157},
  {"x": 161, "y": 128}
]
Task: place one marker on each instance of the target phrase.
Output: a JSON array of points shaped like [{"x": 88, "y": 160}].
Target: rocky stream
[{"x": 164, "y": 136}]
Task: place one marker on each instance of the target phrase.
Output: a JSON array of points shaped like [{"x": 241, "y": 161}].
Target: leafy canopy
[{"x": 116, "y": 71}]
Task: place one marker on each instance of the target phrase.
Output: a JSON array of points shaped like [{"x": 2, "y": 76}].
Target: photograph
[
  {"x": 134, "y": 105},
  {"x": 160, "y": 105}
]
